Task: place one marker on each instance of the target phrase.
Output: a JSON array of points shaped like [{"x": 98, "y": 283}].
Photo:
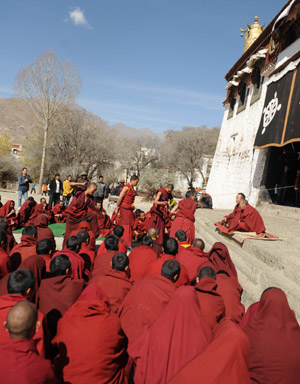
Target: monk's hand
[
  {"x": 225, "y": 219},
  {"x": 103, "y": 213},
  {"x": 173, "y": 217},
  {"x": 165, "y": 203}
]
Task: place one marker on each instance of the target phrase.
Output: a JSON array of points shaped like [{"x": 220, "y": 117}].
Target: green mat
[{"x": 58, "y": 229}]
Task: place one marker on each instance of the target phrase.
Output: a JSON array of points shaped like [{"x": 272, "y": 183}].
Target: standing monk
[
  {"x": 159, "y": 211},
  {"x": 125, "y": 208}
]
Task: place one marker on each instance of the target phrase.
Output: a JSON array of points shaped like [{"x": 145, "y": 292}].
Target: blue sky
[{"x": 157, "y": 64}]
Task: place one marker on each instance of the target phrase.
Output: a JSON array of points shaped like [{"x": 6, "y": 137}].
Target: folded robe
[
  {"x": 91, "y": 341},
  {"x": 143, "y": 303},
  {"x": 115, "y": 284},
  {"x": 223, "y": 361},
  {"x": 41, "y": 223},
  {"x": 219, "y": 256},
  {"x": 23, "y": 250},
  {"x": 139, "y": 259},
  {"x": 274, "y": 336},
  {"x": 191, "y": 258},
  {"x": 179, "y": 334},
  {"x": 103, "y": 263}
]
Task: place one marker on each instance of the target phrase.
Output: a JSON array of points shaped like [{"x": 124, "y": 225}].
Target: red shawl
[
  {"x": 249, "y": 315},
  {"x": 41, "y": 222},
  {"x": 41, "y": 210},
  {"x": 104, "y": 223},
  {"x": 36, "y": 264},
  {"x": 115, "y": 284},
  {"x": 159, "y": 215},
  {"x": 274, "y": 335},
  {"x": 57, "y": 210},
  {"x": 25, "y": 213},
  {"x": 250, "y": 221},
  {"x": 23, "y": 250},
  {"x": 85, "y": 226},
  {"x": 123, "y": 246},
  {"x": 103, "y": 263},
  {"x": 143, "y": 304},
  {"x": 91, "y": 342},
  {"x": 220, "y": 257},
  {"x": 139, "y": 259},
  {"x": 11, "y": 241},
  {"x": 210, "y": 301},
  {"x": 76, "y": 261},
  {"x": 88, "y": 256},
  {"x": 12, "y": 219},
  {"x": 140, "y": 226},
  {"x": 185, "y": 218},
  {"x": 191, "y": 258},
  {"x": 4, "y": 263},
  {"x": 234, "y": 217},
  {"x": 223, "y": 361},
  {"x": 179, "y": 334}
]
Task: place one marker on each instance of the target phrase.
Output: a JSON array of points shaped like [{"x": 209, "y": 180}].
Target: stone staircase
[{"x": 262, "y": 264}]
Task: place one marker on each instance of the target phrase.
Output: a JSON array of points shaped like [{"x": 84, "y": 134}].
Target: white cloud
[{"x": 77, "y": 16}]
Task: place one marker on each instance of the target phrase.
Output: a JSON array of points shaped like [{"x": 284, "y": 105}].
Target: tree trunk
[{"x": 41, "y": 181}]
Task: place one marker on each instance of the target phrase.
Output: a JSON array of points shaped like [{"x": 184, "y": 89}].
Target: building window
[
  {"x": 232, "y": 104},
  {"x": 244, "y": 92},
  {"x": 257, "y": 81}
]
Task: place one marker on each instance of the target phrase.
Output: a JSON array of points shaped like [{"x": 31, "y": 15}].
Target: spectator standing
[
  {"x": 23, "y": 186},
  {"x": 44, "y": 190},
  {"x": 101, "y": 192},
  {"x": 33, "y": 189},
  {"x": 67, "y": 191},
  {"x": 56, "y": 189}
]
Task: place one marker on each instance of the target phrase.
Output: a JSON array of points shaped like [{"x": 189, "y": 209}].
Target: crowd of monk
[{"x": 149, "y": 305}]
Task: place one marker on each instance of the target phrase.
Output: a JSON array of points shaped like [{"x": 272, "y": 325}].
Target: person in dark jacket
[
  {"x": 23, "y": 186},
  {"x": 56, "y": 189}
]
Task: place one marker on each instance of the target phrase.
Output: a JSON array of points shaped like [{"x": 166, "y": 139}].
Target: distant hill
[{"x": 16, "y": 120}]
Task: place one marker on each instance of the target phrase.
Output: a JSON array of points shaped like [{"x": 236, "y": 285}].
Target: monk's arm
[
  {"x": 157, "y": 202},
  {"x": 174, "y": 210},
  {"x": 74, "y": 184},
  {"x": 121, "y": 197}
]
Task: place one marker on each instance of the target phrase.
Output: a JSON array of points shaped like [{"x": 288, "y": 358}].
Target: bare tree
[
  {"x": 48, "y": 86},
  {"x": 184, "y": 150}
]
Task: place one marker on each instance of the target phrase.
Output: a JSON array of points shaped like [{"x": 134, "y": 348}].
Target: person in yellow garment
[{"x": 67, "y": 191}]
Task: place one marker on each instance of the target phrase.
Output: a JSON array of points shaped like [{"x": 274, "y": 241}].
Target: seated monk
[
  {"x": 210, "y": 301},
  {"x": 92, "y": 345},
  {"x": 9, "y": 213},
  {"x": 22, "y": 324},
  {"x": 104, "y": 223},
  {"x": 85, "y": 225},
  {"x": 42, "y": 208},
  {"x": 205, "y": 201},
  {"x": 191, "y": 257},
  {"x": 219, "y": 256},
  {"x": 115, "y": 283},
  {"x": 21, "y": 287},
  {"x": 185, "y": 217},
  {"x": 233, "y": 218},
  {"x": 103, "y": 260},
  {"x": 223, "y": 361},
  {"x": 171, "y": 250},
  {"x": 178, "y": 335},
  {"x": 147, "y": 298},
  {"x": 123, "y": 246},
  {"x": 45, "y": 249},
  {"x": 43, "y": 232},
  {"x": 59, "y": 212},
  {"x": 4, "y": 259},
  {"x": 139, "y": 226},
  {"x": 25, "y": 212},
  {"x": 274, "y": 336},
  {"x": 11, "y": 241},
  {"x": 156, "y": 246},
  {"x": 26, "y": 248},
  {"x": 57, "y": 293},
  {"x": 140, "y": 258},
  {"x": 72, "y": 251},
  {"x": 86, "y": 252},
  {"x": 250, "y": 220}
]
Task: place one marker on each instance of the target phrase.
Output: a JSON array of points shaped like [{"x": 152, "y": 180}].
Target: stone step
[{"x": 279, "y": 211}]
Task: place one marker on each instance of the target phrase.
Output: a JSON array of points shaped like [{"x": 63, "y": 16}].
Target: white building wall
[{"x": 237, "y": 167}]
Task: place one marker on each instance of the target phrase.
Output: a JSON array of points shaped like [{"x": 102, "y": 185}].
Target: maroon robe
[
  {"x": 126, "y": 213},
  {"x": 160, "y": 215},
  {"x": 233, "y": 218},
  {"x": 20, "y": 363},
  {"x": 103, "y": 263},
  {"x": 115, "y": 284},
  {"x": 85, "y": 226},
  {"x": 140, "y": 227},
  {"x": 25, "y": 214},
  {"x": 12, "y": 219},
  {"x": 11, "y": 241},
  {"x": 191, "y": 258},
  {"x": 57, "y": 210},
  {"x": 76, "y": 261},
  {"x": 39, "y": 210},
  {"x": 41, "y": 222},
  {"x": 4, "y": 263},
  {"x": 144, "y": 303},
  {"x": 185, "y": 218},
  {"x": 23, "y": 250},
  {"x": 104, "y": 223},
  {"x": 219, "y": 256},
  {"x": 123, "y": 246},
  {"x": 250, "y": 221},
  {"x": 139, "y": 259}
]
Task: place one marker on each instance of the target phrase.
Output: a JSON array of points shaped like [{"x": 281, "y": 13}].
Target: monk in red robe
[
  {"x": 156, "y": 246},
  {"x": 223, "y": 361},
  {"x": 233, "y": 218},
  {"x": 103, "y": 261},
  {"x": 42, "y": 208},
  {"x": 43, "y": 232},
  {"x": 115, "y": 283},
  {"x": 250, "y": 220},
  {"x": 185, "y": 217},
  {"x": 210, "y": 301},
  {"x": 4, "y": 259},
  {"x": 103, "y": 219},
  {"x": 146, "y": 299},
  {"x": 125, "y": 208},
  {"x": 85, "y": 225},
  {"x": 59, "y": 212},
  {"x": 45, "y": 249},
  {"x": 72, "y": 251},
  {"x": 78, "y": 210},
  {"x": 57, "y": 293},
  {"x": 140, "y": 258},
  {"x": 123, "y": 246},
  {"x": 139, "y": 226},
  {"x": 21, "y": 287},
  {"x": 160, "y": 215},
  {"x": 9, "y": 213},
  {"x": 26, "y": 248},
  {"x": 178, "y": 335},
  {"x": 219, "y": 256},
  {"x": 274, "y": 336},
  {"x": 86, "y": 252},
  {"x": 91, "y": 341},
  {"x": 25, "y": 212},
  {"x": 11, "y": 241},
  {"x": 19, "y": 359}
]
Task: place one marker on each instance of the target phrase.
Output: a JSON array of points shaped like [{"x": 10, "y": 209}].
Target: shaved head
[
  {"x": 21, "y": 320},
  {"x": 199, "y": 243},
  {"x": 153, "y": 232}
]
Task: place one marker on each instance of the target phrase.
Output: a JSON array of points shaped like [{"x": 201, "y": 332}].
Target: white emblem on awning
[{"x": 270, "y": 112}]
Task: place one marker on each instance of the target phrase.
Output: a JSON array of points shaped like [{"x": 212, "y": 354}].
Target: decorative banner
[{"x": 281, "y": 114}]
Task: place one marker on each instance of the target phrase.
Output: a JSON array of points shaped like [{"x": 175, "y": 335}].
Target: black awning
[{"x": 280, "y": 121}]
